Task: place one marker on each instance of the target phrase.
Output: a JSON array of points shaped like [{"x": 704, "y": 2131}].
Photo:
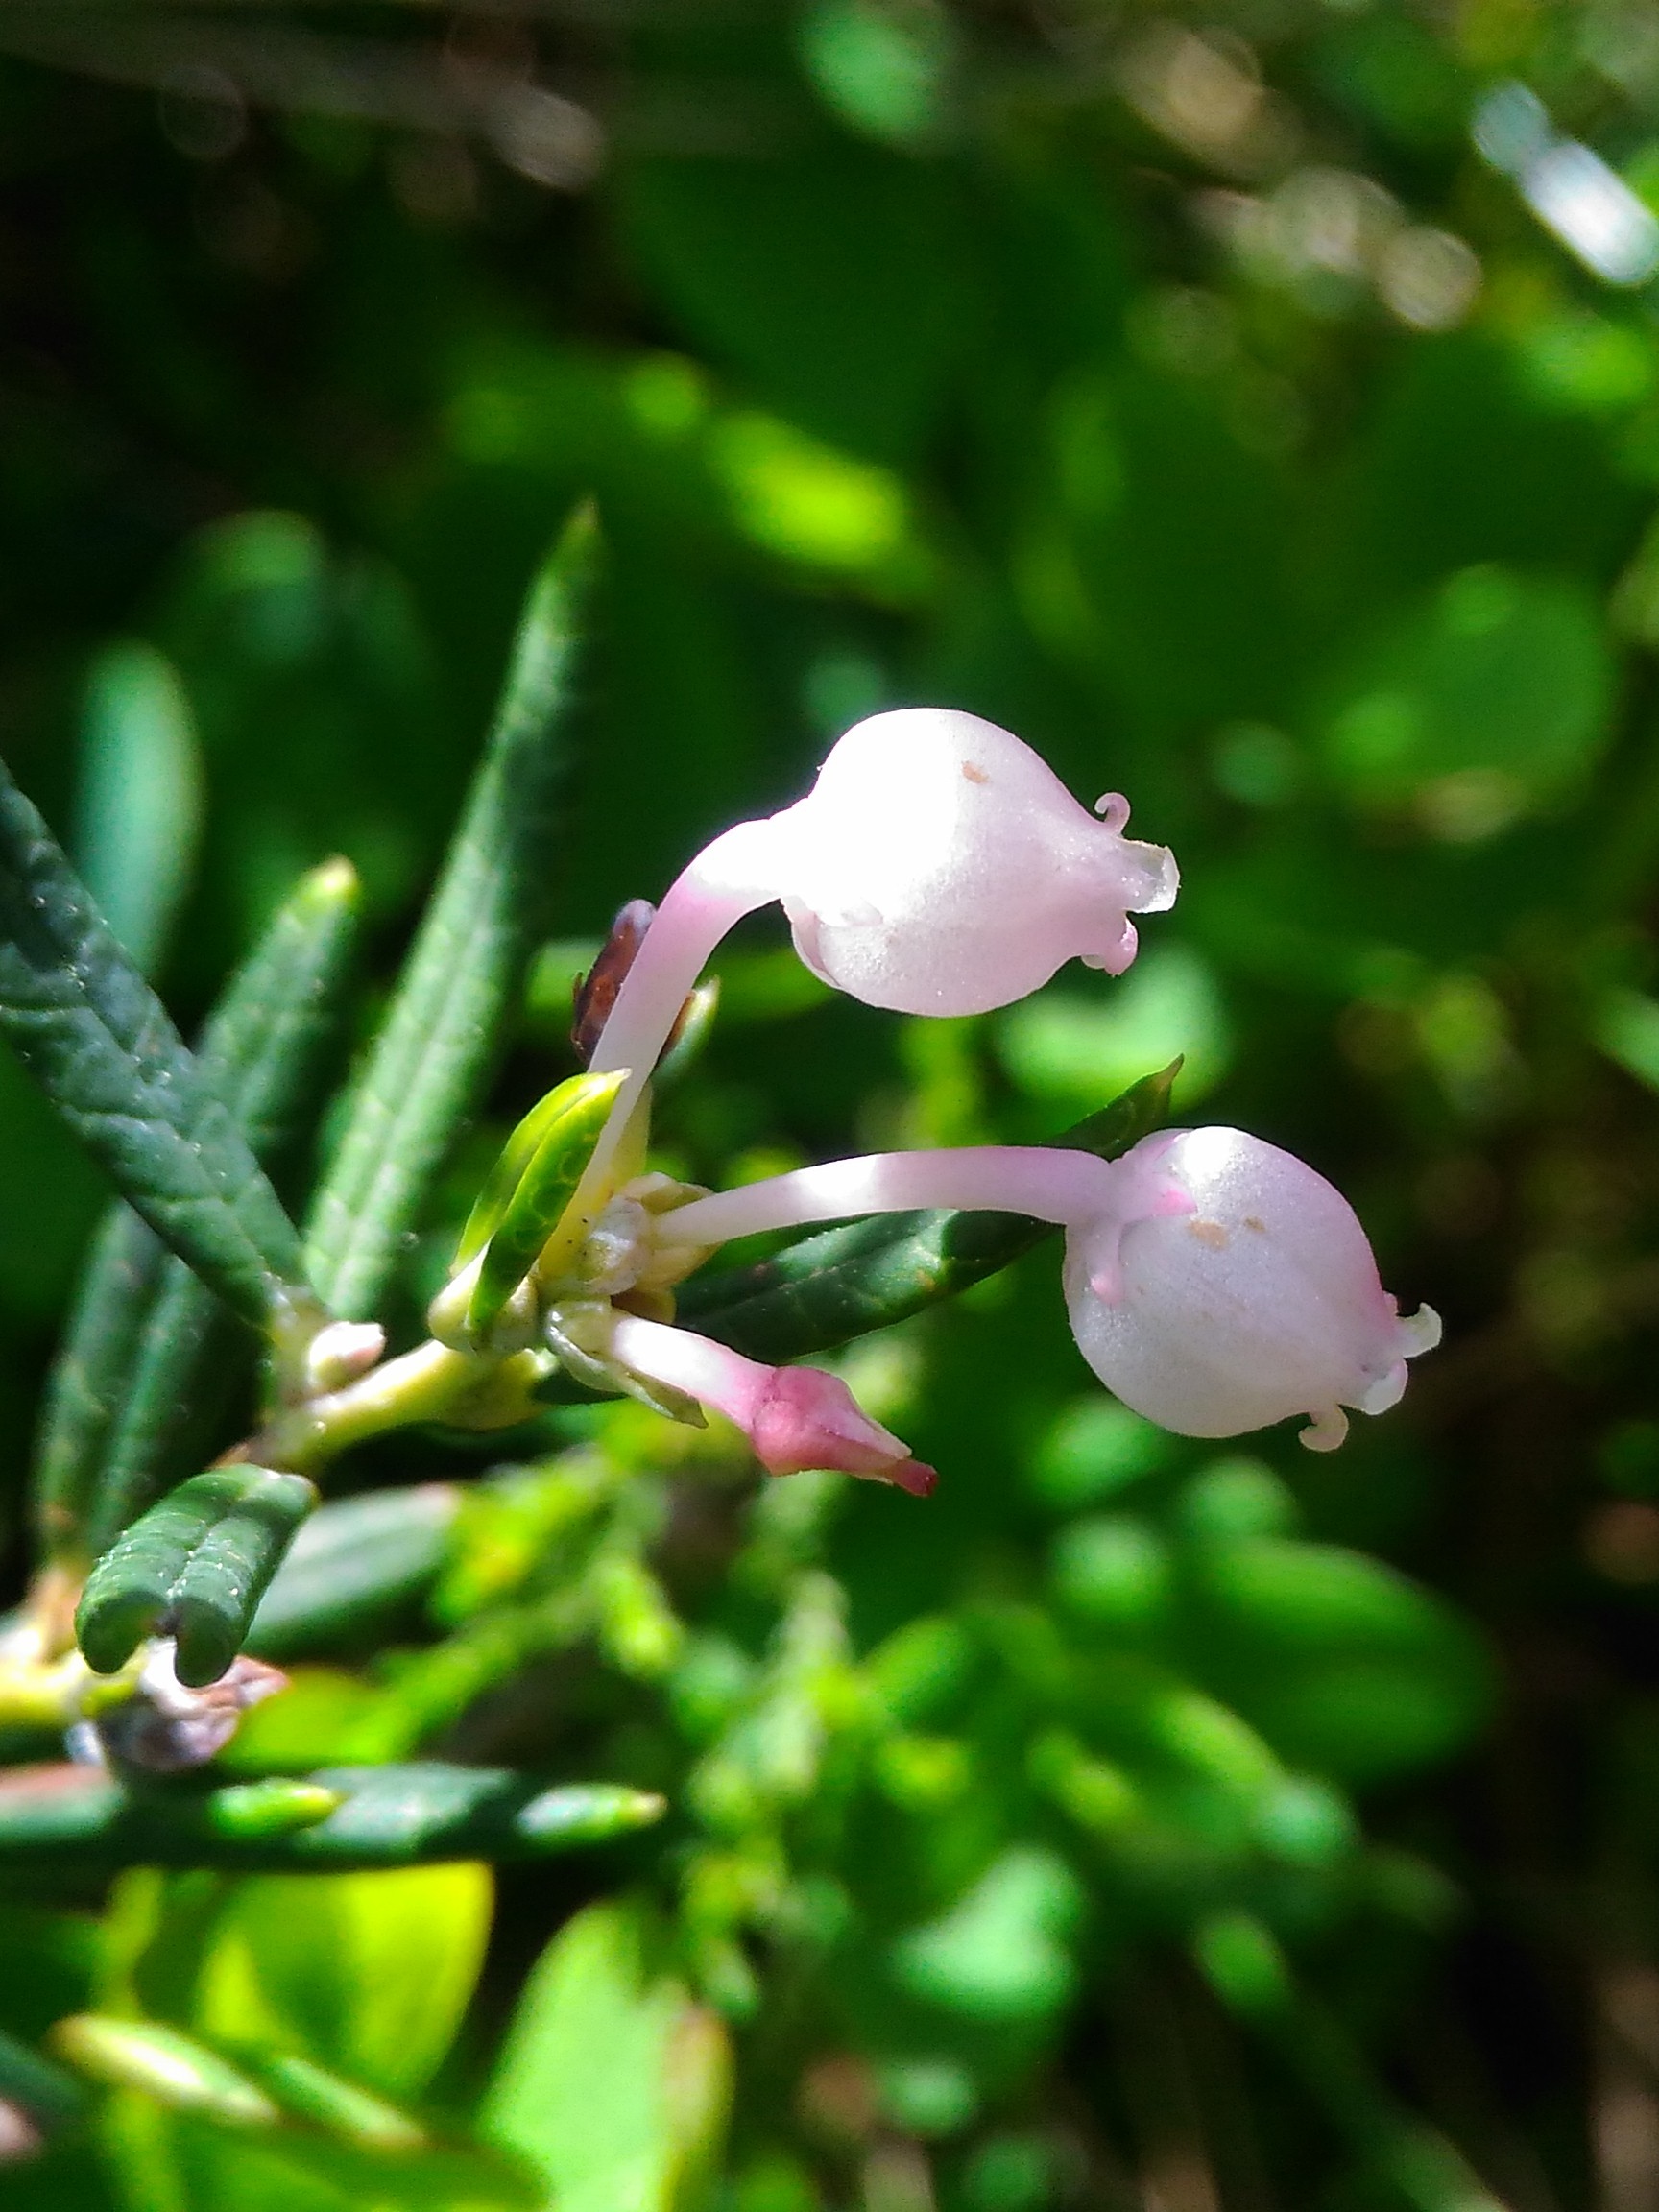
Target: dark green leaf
[
  {"x": 89, "y": 1378},
  {"x": 135, "y": 1380},
  {"x": 43, "y": 2090},
  {"x": 352, "y": 1563},
  {"x": 267, "y": 1051},
  {"x": 194, "y": 1567},
  {"x": 99, "y": 1042},
  {"x": 842, "y": 1282},
  {"x": 404, "y": 1815},
  {"x": 465, "y": 972}
]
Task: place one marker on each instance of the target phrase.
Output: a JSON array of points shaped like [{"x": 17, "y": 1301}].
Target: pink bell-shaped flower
[
  {"x": 794, "y": 1417},
  {"x": 1229, "y": 1285},
  {"x": 939, "y": 866}
]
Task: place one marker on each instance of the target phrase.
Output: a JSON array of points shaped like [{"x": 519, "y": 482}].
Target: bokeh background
[{"x": 1257, "y": 408}]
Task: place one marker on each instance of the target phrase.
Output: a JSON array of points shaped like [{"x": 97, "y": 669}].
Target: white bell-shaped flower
[
  {"x": 939, "y": 866},
  {"x": 1229, "y": 1285}
]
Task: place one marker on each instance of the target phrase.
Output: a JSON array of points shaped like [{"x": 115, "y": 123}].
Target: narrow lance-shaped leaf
[
  {"x": 137, "y": 817},
  {"x": 464, "y": 971},
  {"x": 90, "y": 1375},
  {"x": 149, "y": 1342},
  {"x": 268, "y": 1050},
  {"x": 841, "y": 1283},
  {"x": 353, "y": 1563},
  {"x": 194, "y": 1567},
  {"x": 346, "y": 1819},
  {"x": 99, "y": 1042},
  {"x": 41, "y": 2092},
  {"x": 325, "y": 2128}
]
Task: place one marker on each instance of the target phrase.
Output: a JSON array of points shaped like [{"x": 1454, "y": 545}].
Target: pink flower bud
[
  {"x": 938, "y": 866},
  {"x": 794, "y": 1417},
  {"x": 1229, "y": 1285}
]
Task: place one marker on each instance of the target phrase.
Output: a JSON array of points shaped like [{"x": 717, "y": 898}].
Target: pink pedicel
[
  {"x": 794, "y": 1417},
  {"x": 1233, "y": 1287}
]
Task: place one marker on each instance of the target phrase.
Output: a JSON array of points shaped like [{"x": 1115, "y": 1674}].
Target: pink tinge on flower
[
  {"x": 939, "y": 866},
  {"x": 1229, "y": 1285},
  {"x": 794, "y": 1417}
]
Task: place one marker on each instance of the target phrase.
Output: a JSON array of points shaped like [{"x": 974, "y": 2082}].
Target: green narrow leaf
[
  {"x": 89, "y": 1376},
  {"x": 68, "y": 1816},
  {"x": 35, "y": 2086},
  {"x": 138, "y": 796},
  {"x": 267, "y": 1051},
  {"x": 97, "y": 1039},
  {"x": 317, "y": 2123},
  {"x": 841, "y": 1283},
  {"x": 569, "y": 1124},
  {"x": 133, "y": 1389},
  {"x": 352, "y": 1563},
  {"x": 176, "y": 2069},
  {"x": 195, "y": 1567},
  {"x": 464, "y": 975}
]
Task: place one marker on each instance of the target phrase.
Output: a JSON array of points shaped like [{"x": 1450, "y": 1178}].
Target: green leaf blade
[
  {"x": 842, "y": 1282},
  {"x": 464, "y": 974},
  {"x": 90, "y": 1029},
  {"x": 355, "y": 1562},
  {"x": 90, "y": 1378},
  {"x": 420, "y": 1813},
  {"x": 151, "y": 1349},
  {"x": 195, "y": 1564}
]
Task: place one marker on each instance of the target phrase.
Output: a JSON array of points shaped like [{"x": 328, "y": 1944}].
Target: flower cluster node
[
  {"x": 938, "y": 866},
  {"x": 621, "y": 1253}
]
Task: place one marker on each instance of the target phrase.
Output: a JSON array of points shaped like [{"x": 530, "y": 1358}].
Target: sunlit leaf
[
  {"x": 464, "y": 974},
  {"x": 91, "y": 1032}
]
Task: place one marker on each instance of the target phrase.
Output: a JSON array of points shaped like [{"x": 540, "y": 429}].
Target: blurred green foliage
[{"x": 1132, "y": 1824}]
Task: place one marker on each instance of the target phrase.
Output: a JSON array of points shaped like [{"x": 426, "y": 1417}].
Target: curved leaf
[{"x": 194, "y": 1567}]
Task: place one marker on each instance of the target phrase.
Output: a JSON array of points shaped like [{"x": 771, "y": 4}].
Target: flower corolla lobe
[
  {"x": 1231, "y": 1286},
  {"x": 939, "y": 866}
]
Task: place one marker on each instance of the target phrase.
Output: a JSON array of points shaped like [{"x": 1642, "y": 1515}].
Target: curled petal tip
[
  {"x": 1420, "y": 1332},
  {"x": 1325, "y": 1430}
]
